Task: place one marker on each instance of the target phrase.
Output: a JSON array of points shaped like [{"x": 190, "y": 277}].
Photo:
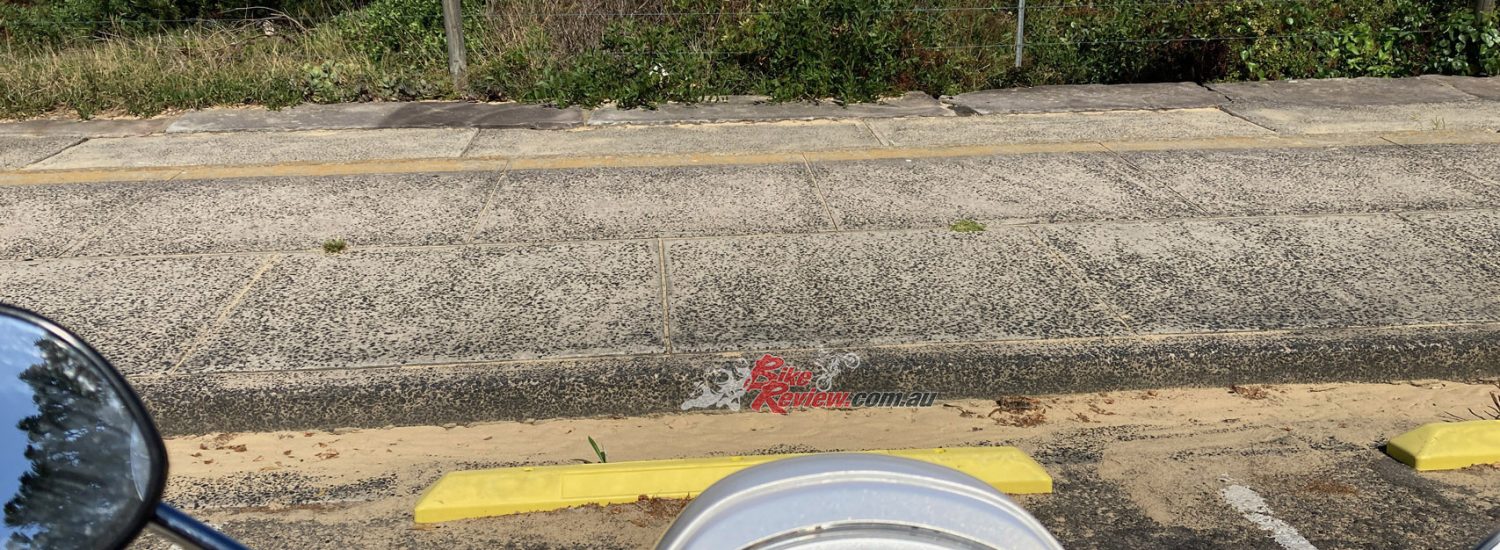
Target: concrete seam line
[
  {"x": 666, "y": 293},
  {"x": 462, "y": 153},
  {"x": 812, "y": 180},
  {"x": 75, "y": 143},
  {"x": 1481, "y": 178},
  {"x": 90, "y": 236},
  {"x": 879, "y": 138},
  {"x": 1440, "y": 238},
  {"x": 84, "y": 240},
  {"x": 1082, "y": 278},
  {"x": 223, "y": 317},
  {"x": 1241, "y": 117},
  {"x": 484, "y": 210},
  {"x": 1163, "y": 184}
]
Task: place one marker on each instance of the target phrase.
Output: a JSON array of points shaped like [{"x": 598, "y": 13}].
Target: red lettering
[
  {"x": 839, "y": 400},
  {"x": 763, "y": 379}
]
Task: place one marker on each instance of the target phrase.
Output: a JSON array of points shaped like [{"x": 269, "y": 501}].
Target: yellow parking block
[
  {"x": 484, "y": 493},
  {"x": 1448, "y": 445}
]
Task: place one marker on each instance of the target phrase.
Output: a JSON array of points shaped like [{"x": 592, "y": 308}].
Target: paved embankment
[{"x": 610, "y": 269}]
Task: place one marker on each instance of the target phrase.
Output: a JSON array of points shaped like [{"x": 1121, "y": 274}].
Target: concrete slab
[
  {"x": 264, "y": 214},
  {"x": 261, "y": 148},
  {"x": 1475, "y": 234},
  {"x": 85, "y": 128},
  {"x": 1417, "y": 117},
  {"x": 347, "y": 116},
  {"x": 451, "y": 305},
  {"x": 1087, "y": 97},
  {"x": 745, "y": 108},
  {"x": 1314, "y": 181},
  {"x": 1006, "y": 189},
  {"x": 45, "y": 221},
  {"x": 1276, "y": 273},
  {"x": 1478, "y": 160},
  {"x": 17, "y": 152},
  {"x": 798, "y": 291},
  {"x": 1341, "y": 92},
  {"x": 597, "y": 203},
  {"x": 1481, "y": 87},
  {"x": 719, "y": 138},
  {"x": 1063, "y": 127},
  {"x": 142, "y": 313}
]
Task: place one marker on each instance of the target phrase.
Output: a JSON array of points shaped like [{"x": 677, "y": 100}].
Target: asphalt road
[{"x": 1297, "y": 466}]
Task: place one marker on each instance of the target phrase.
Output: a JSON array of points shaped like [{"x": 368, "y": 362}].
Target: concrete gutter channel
[
  {"x": 621, "y": 319},
  {"x": 637, "y": 385}
]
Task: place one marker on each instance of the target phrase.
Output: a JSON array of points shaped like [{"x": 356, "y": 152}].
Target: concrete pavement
[{"x": 533, "y": 293}]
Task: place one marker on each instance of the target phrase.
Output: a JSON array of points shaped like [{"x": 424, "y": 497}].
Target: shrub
[
  {"x": 396, "y": 30},
  {"x": 688, "y": 50}
]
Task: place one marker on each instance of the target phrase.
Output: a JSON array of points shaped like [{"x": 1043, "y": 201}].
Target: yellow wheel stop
[
  {"x": 502, "y": 491},
  {"x": 1448, "y": 445}
]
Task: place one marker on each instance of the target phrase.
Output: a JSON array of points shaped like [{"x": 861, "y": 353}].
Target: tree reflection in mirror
[{"x": 78, "y": 468}]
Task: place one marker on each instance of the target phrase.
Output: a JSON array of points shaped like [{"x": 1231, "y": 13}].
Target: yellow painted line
[
  {"x": 956, "y": 151},
  {"x": 435, "y": 165},
  {"x": 346, "y": 168},
  {"x": 502, "y": 491},
  {"x": 1448, "y": 445},
  {"x": 87, "y": 176},
  {"x": 1251, "y": 142},
  {"x": 290, "y": 169},
  {"x": 630, "y": 161}
]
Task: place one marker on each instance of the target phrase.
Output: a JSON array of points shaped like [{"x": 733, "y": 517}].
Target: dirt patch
[{"x": 1250, "y": 392}]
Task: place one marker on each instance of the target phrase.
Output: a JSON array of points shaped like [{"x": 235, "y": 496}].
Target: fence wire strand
[{"x": 609, "y": 14}]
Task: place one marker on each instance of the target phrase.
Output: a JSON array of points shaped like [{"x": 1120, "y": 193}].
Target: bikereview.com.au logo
[{"x": 778, "y": 387}]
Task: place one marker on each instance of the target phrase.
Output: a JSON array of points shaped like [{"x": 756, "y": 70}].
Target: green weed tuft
[
  {"x": 334, "y": 246},
  {"x": 966, "y": 226}
]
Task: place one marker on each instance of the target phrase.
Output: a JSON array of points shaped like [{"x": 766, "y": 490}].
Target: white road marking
[{"x": 1249, "y": 504}]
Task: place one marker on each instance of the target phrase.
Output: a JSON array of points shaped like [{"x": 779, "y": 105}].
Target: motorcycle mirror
[{"x": 81, "y": 463}]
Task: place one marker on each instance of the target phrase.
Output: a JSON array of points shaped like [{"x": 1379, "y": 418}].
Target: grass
[
  {"x": 688, "y": 50},
  {"x": 966, "y": 226},
  {"x": 334, "y": 246},
  {"x": 597, "y": 452},
  {"x": 194, "y": 68}
]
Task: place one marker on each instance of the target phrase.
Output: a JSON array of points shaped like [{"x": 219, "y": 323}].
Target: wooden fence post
[{"x": 458, "y": 63}]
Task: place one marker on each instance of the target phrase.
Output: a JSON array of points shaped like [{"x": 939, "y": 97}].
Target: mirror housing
[{"x": 81, "y": 462}]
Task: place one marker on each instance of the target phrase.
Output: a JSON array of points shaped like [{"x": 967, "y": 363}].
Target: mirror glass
[{"x": 75, "y": 467}]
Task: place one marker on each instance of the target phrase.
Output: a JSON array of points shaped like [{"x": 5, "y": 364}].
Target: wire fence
[
  {"x": 1017, "y": 43},
  {"x": 274, "y": 15}
]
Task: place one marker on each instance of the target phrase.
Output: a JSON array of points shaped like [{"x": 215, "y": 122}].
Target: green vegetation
[
  {"x": 334, "y": 246},
  {"x": 598, "y": 453},
  {"x": 966, "y": 226},
  {"x": 142, "y": 57}
]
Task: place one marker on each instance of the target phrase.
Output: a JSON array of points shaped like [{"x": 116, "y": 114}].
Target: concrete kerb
[
  {"x": 103, "y": 175},
  {"x": 195, "y": 403},
  {"x": 1043, "y": 99}
]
